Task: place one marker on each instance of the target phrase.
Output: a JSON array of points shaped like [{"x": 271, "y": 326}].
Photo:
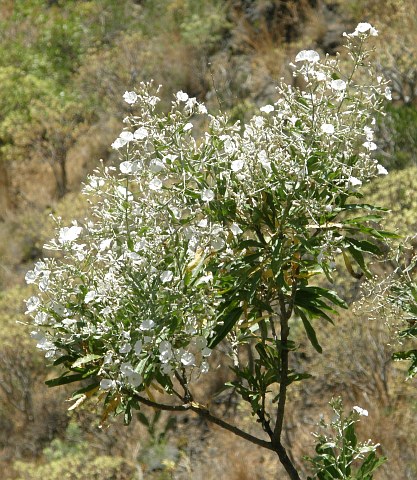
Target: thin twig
[{"x": 204, "y": 413}]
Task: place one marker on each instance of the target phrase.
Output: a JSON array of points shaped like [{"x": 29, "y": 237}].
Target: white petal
[
  {"x": 90, "y": 296},
  {"x": 182, "y": 96},
  {"x": 167, "y": 276},
  {"x": 140, "y": 133},
  {"x": 308, "y": 56},
  {"x": 130, "y": 97},
  {"x": 237, "y": 165},
  {"x": 381, "y": 170},
  {"x": 327, "y": 128},
  {"x": 338, "y": 85},
  {"x": 207, "y": 195},
  {"x": 267, "y": 108},
  {"x": 155, "y": 184}
]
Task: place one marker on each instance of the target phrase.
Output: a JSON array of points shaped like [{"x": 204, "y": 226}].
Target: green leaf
[
  {"x": 370, "y": 464},
  {"x": 65, "y": 379},
  {"x": 297, "y": 377},
  {"x": 251, "y": 244},
  {"x": 63, "y": 359},
  {"x": 326, "y": 293},
  {"x": 143, "y": 419},
  {"x": 311, "y": 334},
  {"x": 364, "y": 246},
  {"x": 358, "y": 257},
  {"x": 409, "y": 332},
  {"x": 364, "y": 218},
  {"x": 86, "y": 359},
  {"x": 364, "y": 206},
  {"x": 226, "y": 325}
]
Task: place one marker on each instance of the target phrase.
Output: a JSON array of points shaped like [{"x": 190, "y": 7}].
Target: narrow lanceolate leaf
[
  {"x": 360, "y": 260},
  {"x": 311, "y": 334},
  {"x": 86, "y": 359},
  {"x": 324, "y": 292},
  {"x": 364, "y": 206},
  {"x": 364, "y": 246},
  {"x": 65, "y": 379},
  {"x": 228, "y": 322}
]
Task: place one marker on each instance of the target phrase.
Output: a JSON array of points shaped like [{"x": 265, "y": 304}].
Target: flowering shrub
[
  {"x": 341, "y": 455},
  {"x": 197, "y": 241}
]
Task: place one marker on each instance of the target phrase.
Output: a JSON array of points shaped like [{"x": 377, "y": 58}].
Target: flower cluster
[{"x": 137, "y": 292}]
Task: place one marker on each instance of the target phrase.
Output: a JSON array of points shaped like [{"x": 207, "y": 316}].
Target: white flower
[
  {"x": 207, "y": 195},
  {"x": 237, "y": 165},
  {"x": 320, "y": 76},
  {"x": 370, "y": 146},
  {"x": 338, "y": 85},
  {"x": 105, "y": 244},
  {"x": 201, "y": 109},
  {"x": 235, "y": 229},
  {"x": 354, "y": 182},
  {"x": 122, "y": 140},
  {"x": 365, "y": 27},
  {"x": 190, "y": 104},
  {"x": 217, "y": 243},
  {"x": 123, "y": 192},
  {"x": 388, "y": 94},
  {"x": 90, "y": 296},
  {"x": 125, "y": 348},
  {"x": 381, "y": 170},
  {"x": 204, "y": 279},
  {"x": 327, "y": 128},
  {"x": 307, "y": 56},
  {"x": 206, "y": 352},
  {"x": 69, "y": 322},
  {"x": 138, "y": 347},
  {"x": 126, "y": 167},
  {"x": 369, "y": 133},
  {"x": 147, "y": 325},
  {"x": 155, "y": 184},
  {"x": 182, "y": 96},
  {"x": 156, "y": 165},
  {"x": 229, "y": 146},
  {"x": 69, "y": 234},
  {"x": 107, "y": 384},
  {"x": 126, "y": 136},
  {"x": 188, "y": 126},
  {"x": 130, "y": 97},
  {"x": 263, "y": 158},
  {"x": 32, "y": 304},
  {"x": 259, "y": 121},
  {"x": 166, "y": 276},
  {"x": 31, "y": 277},
  {"x": 41, "y": 318},
  {"x": 187, "y": 359},
  {"x": 165, "y": 351},
  {"x": 361, "y": 411},
  {"x": 267, "y": 108},
  {"x": 140, "y": 245},
  {"x": 134, "y": 378},
  {"x": 140, "y": 133}
]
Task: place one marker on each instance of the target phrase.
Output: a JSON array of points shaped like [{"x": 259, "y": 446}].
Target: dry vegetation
[{"x": 63, "y": 68}]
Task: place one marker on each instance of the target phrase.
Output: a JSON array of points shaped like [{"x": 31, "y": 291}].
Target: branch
[
  {"x": 204, "y": 413},
  {"x": 284, "y": 366}
]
